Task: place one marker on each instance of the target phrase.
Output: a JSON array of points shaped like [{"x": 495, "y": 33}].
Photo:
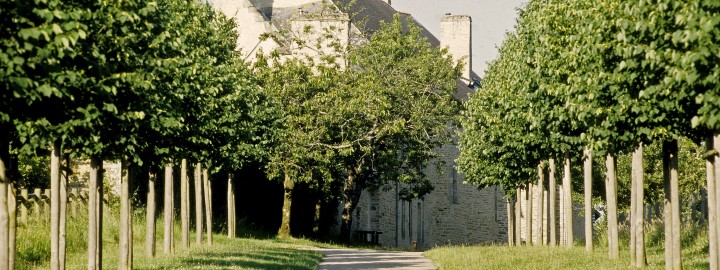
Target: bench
[{"x": 365, "y": 235}]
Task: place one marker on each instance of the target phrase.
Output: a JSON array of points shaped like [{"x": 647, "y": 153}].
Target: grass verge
[
  {"x": 694, "y": 253},
  {"x": 251, "y": 250}
]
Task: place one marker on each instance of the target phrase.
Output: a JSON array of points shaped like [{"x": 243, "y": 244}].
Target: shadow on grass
[{"x": 259, "y": 259}]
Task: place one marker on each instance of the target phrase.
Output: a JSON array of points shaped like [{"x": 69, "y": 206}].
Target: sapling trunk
[
  {"x": 672, "y": 205},
  {"x": 54, "y": 208},
  {"x": 4, "y": 213},
  {"x": 208, "y": 206},
  {"x": 95, "y": 202},
  {"x": 511, "y": 221},
  {"x": 518, "y": 218},
  {"x": 230, "y": 207},
  {"x": 12, "y": 224},
  {"x": 125, "y": 259},
  {"x": 711, "y": 203},
  {"x": 540, "y": 208},
  {"x": 528, "y": 214},
  {"x": 64, "y": 174}
]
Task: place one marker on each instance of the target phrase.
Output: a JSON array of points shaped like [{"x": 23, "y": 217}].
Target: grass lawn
[
  {"x": 251, "y": 250},
  {"x": 694, "y": 254}
]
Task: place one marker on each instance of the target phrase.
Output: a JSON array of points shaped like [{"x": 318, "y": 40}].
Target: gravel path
[{"x": 353, "y": 259}]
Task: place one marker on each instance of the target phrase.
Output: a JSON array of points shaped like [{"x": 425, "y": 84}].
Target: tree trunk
[
  {"x": 125, "y": 259},
  {"x": 587, "y": 187},
  {"x": 540, "y": 200},
  {"x": 4, "y": 211},
  {"x": 633, "y": 200},
  {"x": 672, "y": 205},
  {"x": 511, "y": 221},
  {"x": 518, "y": 218},
  {"x": 611, "y": 197},
  {"x": 638, "y": 220},
  {"x": 168, "y": 204},
  {"x": 351, "y": 194},
  {"x": 184, "y": 204},
  {"x": 12, "y": 224},
  {"x": 95, "y": 214},
  {"x": 567, "y": 194},
  {"x": 712, "y": 204},
  {"x": 288, "y": 186},
  {"x": 64, "y": 175},
  {"x": 54, "y": 208},
  {"x": 150, "y": 217},
  {"x": 198, "y": 204},
  {"x": 552, "y": 189},
  {"x": 208, "y": 206},
  {"x": 528, "y": 214},
  {"x": 230, "y": 207}
]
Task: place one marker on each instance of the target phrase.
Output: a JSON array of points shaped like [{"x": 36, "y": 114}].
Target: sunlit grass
[
  {"x": 694, "y": 253},
  {"x": 251, "y": 250}
]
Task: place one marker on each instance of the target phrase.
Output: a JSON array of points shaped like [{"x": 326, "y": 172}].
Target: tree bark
[
  {"x": 54, "y": 208},
  {"x": 540, "y": 200},
  {"x": 511, "y": 221},
  {"x": 672, "y": 205},
  {"x": 150, "y": 217},
  {"x": 638, "y": 216},
  {"x": 230, "y": 207},
  {"x": 198, "y": 204},
  {"x": 712, "y": 204},
  {"x": 567, "y": 193},
  {"x": 611, "y": 197},
  {"x": 528, "y": 214},
  {"x": 208, "y": 206},
  {"x": 552, "y": 189},
  {"x": 587, "y": 187},
  {"x": 95, "y": 202},
  {"x": 288, "y": 186},
  {"x": 184, "y": 204},
  {"x": 518, "y": 217},
  {"x": 168, "y": 237},
  {"x": 125, "y": 259}
]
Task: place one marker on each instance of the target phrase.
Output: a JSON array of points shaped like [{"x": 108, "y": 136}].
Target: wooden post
[
  {"x": 150, "y": 216},
  {"x": 587, "y": 187},
  {"x": 12, "y": 224},
  {"x": 4, "y": 213},
  {"x": 95, "y": 203},
  {"x": 47, "y": 195},
  {"x": 198, "y": 204},
  {"x": 711, "y": 204},
  {"x": 73, "y": 198},
  {"x": 208, "y": 206},
  {"x": 672, "y": 204},
  {"x": 638, "y": 220},
  {"x": 511, "y": 221},
  {"x": 23, "y": 206},
  {"x": 125, "y": 259},
  {"x": 567, "y": 194},
  {"x": 528, "y": 215},
  {"x": 36, "y": 203},
  {"x": 184, "y": 204},
  {"x": 540, "y": 204},
  {"x": 552, "y": 188},
  {"x": 64, "y": 175},
  {"x": 611, "y": 197},
  {"x": 168, "y": 245},
  {"x": 230, "y": 208},
  {"x": 518, "y": 218},
  {"x": 55, "y": 207}
]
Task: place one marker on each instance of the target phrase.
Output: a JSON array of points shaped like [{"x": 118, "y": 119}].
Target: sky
[{"x": 491, "y": 19}]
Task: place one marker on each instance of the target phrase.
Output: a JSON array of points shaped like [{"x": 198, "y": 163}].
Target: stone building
[{"x": 455, "y": 212}]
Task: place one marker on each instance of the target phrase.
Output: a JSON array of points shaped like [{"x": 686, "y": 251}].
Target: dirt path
[{"x": 354, "y": 259}]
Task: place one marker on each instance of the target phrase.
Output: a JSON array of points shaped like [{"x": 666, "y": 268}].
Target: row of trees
[
  {"x": 159, "y": 83},
  {"x": 582, "y": 79},
  {"x": 141, "y": 82}
]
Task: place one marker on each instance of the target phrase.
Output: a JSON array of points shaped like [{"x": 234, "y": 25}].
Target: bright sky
[{"x": 491, "y": 19}]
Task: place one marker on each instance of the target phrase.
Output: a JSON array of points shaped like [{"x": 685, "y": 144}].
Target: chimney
[{"x": 455, "y": 35}]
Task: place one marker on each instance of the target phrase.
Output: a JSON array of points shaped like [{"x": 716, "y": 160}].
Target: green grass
[
  {"x": 251, "y": 250},
  {"x": 694, "y": 253}
]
